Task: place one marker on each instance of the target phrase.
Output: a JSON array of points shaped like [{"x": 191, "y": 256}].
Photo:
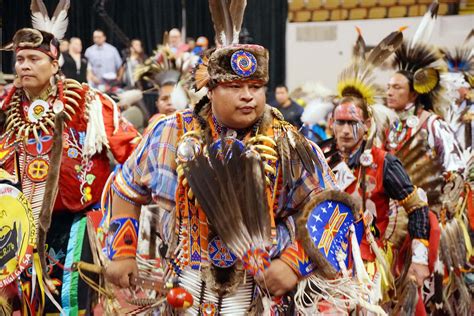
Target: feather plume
[
  {"x": 469, "y": 37},
  {"x": 385, "y": 48},
  {"x": 425, "y": 29},
  {"x": 234, "y": 201},
  {"x": 57, "y": 25},
  {"x": 179, "y": 99},
  {"x": 237, "y": 9},
  {"x": 359, "y": 49},
  {"x": 408, "y": 299},
  {"x": 357, "y": 80},
  {"x": 413, "y": 58},
  {"x": 459, "y": 60},
  {"x": 310, "y": 91},
  {"x": 221, "y": 19},
  {"x": 165, "y": 67},
  {"x": 317, "y": 111},
  {"x": 130, "y": 97},
  {"x": 227, "y": 16},
  {"x": 5, "y": 307},
  {"x": 300, "y": 150},
  {"x": 283, "y": 148}
]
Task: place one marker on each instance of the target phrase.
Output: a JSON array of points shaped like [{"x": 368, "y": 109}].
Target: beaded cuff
[
  {"x": 297, "y": 259},
  {"x": 122, "y": 238}
]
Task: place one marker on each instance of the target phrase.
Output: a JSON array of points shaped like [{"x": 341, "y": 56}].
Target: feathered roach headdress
[
  {"x": 421, "y": 63},
  {"x": 46, "y": 31},
  {"x": 461, "y": 61},
  {"x": 167, "y": 68},
  {"x": 230, "y": 61},
  {"x": 357, "y": 79}
]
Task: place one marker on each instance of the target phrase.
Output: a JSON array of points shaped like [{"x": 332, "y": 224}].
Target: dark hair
[
  {"x": 409, "y": 76},
  {"x": 281, "y": 86},
  {"x": 100, "y": 30},
  {"x": 358, "y": 102}
]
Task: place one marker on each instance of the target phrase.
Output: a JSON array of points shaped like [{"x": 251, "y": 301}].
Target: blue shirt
[{"x": 103, "y": 59}]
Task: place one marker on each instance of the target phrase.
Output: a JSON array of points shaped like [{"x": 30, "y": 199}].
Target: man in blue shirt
[{"x": 104, "y": 60}]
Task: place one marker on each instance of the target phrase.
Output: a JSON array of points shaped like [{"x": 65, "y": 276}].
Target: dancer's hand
[
  {"x": 420, "y": 272},
  {"x": 119, "y": 272},
  {"x": 279, "y": 278}
]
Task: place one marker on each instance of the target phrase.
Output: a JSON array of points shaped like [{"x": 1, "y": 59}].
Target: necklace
[{"x": 42, "y": 112}]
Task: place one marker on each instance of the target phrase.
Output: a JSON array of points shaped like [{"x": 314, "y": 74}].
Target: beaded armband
[
  {"x": 297, "y": 259},
  {"x": 414, "y": 200},
  {"x": 122, "y": 238}
]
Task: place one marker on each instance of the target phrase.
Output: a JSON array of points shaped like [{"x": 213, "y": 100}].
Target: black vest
[{"x": 70, "y": 70}]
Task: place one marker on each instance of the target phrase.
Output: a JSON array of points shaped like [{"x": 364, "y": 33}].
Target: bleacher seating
[
  {"x": 320, "y": 15},
  {"x": 334, "y": 10},
  {"x": 377, "y": 13}
]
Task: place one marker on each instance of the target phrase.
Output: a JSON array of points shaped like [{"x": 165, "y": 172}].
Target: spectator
[
  {"x": 74, "y": 64},
  {"x": 290, "y": 109},
  {"x": 191, "y": 44},
  {"x": 104, "y": 61},
  {"x": 64, "y": 46},
  {"x": 201, "y": 45},
  {"x": 176, "y": 42},
  {"x": 135, "y": 58}
]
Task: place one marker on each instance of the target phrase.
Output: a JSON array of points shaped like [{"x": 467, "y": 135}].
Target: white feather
[
  {"x": 316, "y": 112},
  {"x": 56, "y": 26},
  {"x": 40, "y": 22},
  {"x": 179, "y": 98},
  {"x": 130, "y": 97},
  {"x": 59, "y": 25},
  {"x": 425, "y": 29}
]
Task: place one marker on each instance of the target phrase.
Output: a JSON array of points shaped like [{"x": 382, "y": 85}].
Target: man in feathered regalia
[
  {"x": 375, "y": 177},
  {"x": 54, "y": 163},
  {"x": 229, "y": 174},
  {"x": 431, "y": 154},
  {"x": 458, "y": 83}
]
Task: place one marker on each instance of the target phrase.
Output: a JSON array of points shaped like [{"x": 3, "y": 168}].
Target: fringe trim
[{"x": 96, "y": 137}]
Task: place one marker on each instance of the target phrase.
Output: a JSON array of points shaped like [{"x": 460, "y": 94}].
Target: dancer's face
[
  {"x": 399, "y": 95},
  {"x": 35, "y": 69},
  {"x": 349, "y": 127},
  {"x": 238, "y": 104}
]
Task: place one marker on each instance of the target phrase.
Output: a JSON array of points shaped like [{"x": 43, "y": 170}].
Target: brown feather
[
  {"x": 469, "y": 36},
  {"x": 358, "y": 51},
  {"x": 407, "y": 302},
  {"x": 39, "y": 6},
  {"x": 222, "y": 21},
  {"x": 62, "y": 5},
  {"x": 385, "y": 48},
  {"x": 237, "y": 9},
  {"x": 255, "y": 213},
  {"x": 212, "y": 187},
  {"x": 382, "y": 51},
  {"x": 285, "y": 161}
]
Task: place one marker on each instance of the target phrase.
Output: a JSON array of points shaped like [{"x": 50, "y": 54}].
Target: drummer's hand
[
  {"x": 120, "y": 271},
  {"x": 279, "y": 278}
]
